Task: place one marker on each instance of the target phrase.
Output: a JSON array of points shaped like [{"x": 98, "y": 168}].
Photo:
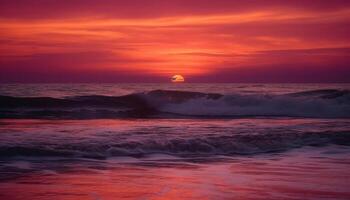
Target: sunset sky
[{"x": 151, "y": 40}]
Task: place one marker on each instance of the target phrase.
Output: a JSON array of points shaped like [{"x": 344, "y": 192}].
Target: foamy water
[{"x": 187, "y": 141}]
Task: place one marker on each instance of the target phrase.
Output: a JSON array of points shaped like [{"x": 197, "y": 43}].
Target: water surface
[{"x": 187, "y": 141}]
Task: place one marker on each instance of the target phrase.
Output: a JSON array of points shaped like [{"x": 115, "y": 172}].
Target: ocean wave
[
  {"x": 214, "y": 145},
  {"x": 181, "y": 104}
]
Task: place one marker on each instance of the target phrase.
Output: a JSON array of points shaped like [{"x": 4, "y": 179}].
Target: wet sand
[{"x": 307, "y": 173}]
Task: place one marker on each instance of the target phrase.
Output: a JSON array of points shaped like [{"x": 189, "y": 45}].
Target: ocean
[{"x": 174, "y": 141}]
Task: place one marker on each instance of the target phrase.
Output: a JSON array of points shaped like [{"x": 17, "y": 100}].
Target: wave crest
[
  {"x": 227, "y": 145},
  {"x": 165, "y": 103}
]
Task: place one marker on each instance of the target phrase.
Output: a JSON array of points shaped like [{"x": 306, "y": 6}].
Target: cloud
[
  {"x": 298, "y": 66},
  {"x": 52, "y": 9},
  {"x": 161, "y": 38}
]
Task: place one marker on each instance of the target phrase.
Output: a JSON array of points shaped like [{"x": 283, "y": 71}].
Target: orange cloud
[{"x": 194, "y": 44}]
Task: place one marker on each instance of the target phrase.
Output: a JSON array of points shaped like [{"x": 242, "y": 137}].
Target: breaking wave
[
  {"x": 181, "y": 104},
  {"x": 226, "y": 145}
]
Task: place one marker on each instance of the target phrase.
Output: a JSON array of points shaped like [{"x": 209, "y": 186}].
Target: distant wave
[
  {"x": 203, "y": 145},
  {"x": 181, "y": 104}
]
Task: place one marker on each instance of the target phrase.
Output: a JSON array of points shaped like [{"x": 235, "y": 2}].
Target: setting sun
[{"x": 177, "y": 79}]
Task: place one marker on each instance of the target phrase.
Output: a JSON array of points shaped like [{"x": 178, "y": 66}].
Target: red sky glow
[{"x": 151, "y": 40}]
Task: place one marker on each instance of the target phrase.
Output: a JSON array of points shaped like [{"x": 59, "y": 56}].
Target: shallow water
[
  {"x": 249, "y": 142},
  {"x": 175, "y": 159},
  {"x": 104, "y": 138},
  {"x": 307, "y": 173}
]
